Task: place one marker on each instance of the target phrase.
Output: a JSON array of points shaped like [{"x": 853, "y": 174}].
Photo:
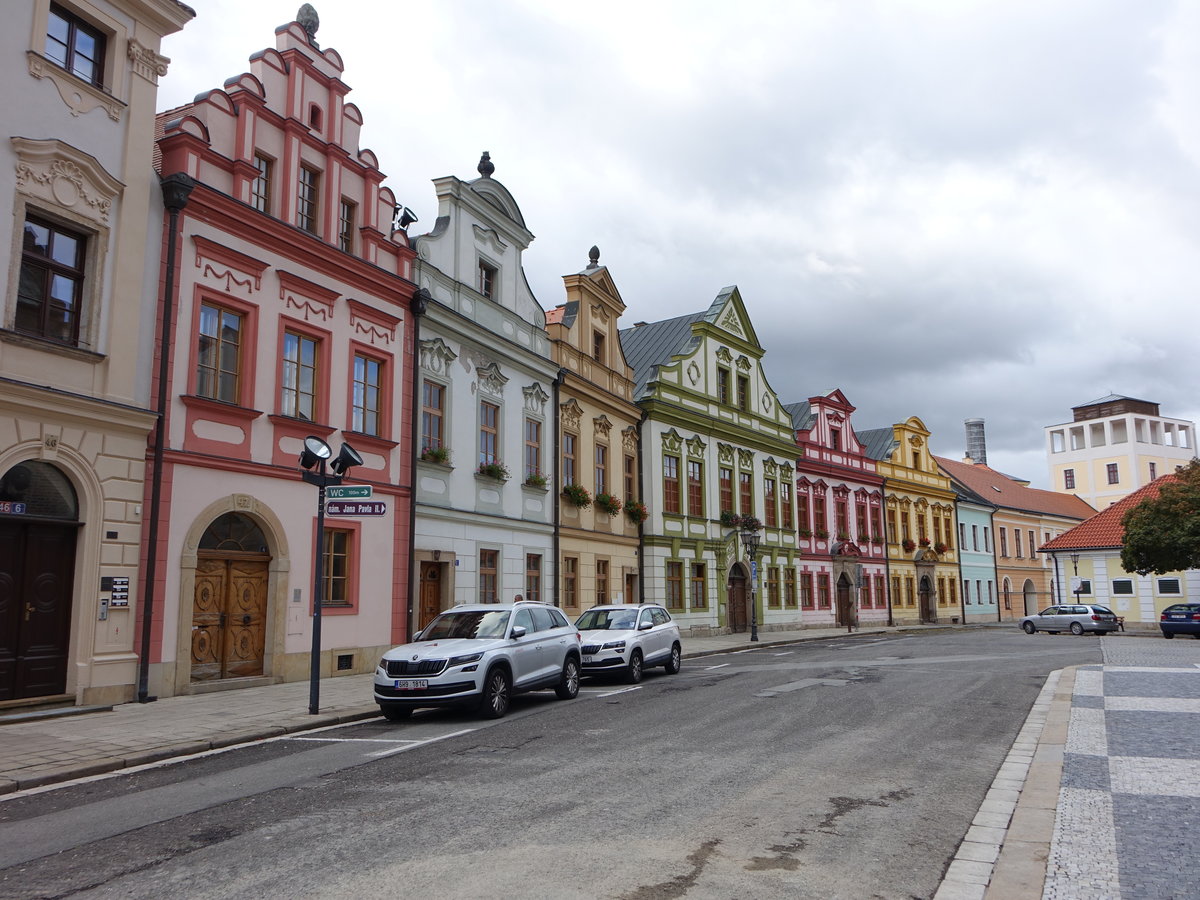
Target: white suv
[
  {"x": 625, "y": 639},
  {"x": 481, "y": 654}
]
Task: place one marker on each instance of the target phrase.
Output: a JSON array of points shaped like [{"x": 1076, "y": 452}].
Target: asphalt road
[{"x": 832, "y": 769}]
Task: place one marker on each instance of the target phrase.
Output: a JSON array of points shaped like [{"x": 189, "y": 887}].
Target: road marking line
[
  {"x": 721, "y": 666},
  {"x": 359, "y": 740},
  {"x": 622, "y": 691},
  {"x": 788, "y": 653},
  {"x": 415, "y": 744}
]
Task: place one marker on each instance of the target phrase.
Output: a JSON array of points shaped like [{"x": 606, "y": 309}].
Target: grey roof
[
  {"x": 878, "y": 443},
  {"x": 570, "y": 312},
  {"x": 653, "y": 344},
  {"x": 1109, "y": 399},
  {"x": 802, "y": 415}
]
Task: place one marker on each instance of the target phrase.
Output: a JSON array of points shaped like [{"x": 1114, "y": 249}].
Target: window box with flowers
[
  {"x": 909, "y": 545},
  {"x": 843, "y": 536},
  {"x": 821, "y": 534},
  {"x": 877, "y": 540},
  {"x": 437, "y": 455},
  {"x": 729, "y": 519},
  {"x": 495, "y": 470},
  {"x": 636, "y": 511},
  {"x": 940, "y": 548},
  {"x": 536, "y": 480},
  {"x": 749, "y": 523},
  {"x": 577, "y": 495},
  {"x": 805, "y": 533},
  {"x": 608, "y": 503},
  {"x": 924, "y": 542}
]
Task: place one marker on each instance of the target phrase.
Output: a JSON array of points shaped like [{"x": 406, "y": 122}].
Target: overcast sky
[{"x": 947, "y": 209}]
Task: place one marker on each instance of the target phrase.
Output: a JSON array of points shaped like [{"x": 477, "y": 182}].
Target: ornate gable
[
  {"x": 491, "y": 380},
  {"x": 436, "y": 356},
  {"x": 571, "y": 413},
  {"x": 535, "y": 399}
]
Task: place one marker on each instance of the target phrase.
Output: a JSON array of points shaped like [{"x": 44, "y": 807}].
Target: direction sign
[
  {"x": 347, "y": 491},
  {"x": 356, "y": 508}
]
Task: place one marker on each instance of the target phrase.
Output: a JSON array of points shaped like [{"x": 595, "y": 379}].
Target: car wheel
[
  {"x": 674, "y": 661},
  {"x": 633, "y": 672},
  {"x": 395, "y": 713},
  {"x": 1028, "y": 627},
  {"x": 1170, "y": 634},
  {"x": 497, "y": 689},
  {"x": 1076, "y": 628},
  {"x": 568, "y": 685}
]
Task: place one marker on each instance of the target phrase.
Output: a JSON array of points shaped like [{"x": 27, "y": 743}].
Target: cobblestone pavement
[{"x": 1099, "y": 798}]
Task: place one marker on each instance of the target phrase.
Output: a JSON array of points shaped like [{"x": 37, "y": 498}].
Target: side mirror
[
  {"x": 518, "y": 631},
  {"x": 416, "y": 637},
  {"x": 645, "y": 626}
]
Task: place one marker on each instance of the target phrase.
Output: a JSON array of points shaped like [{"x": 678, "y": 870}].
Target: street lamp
[
  {"x": 314, "y": 456},
  {"x": 1078, "y": 580},
  {"x": 749, "y": 533}
]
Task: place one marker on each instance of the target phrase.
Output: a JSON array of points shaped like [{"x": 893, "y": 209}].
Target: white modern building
[{"x": 1113, "y": 446}]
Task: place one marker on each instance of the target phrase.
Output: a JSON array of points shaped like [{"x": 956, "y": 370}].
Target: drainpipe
[
  {"x": 642, "y": 525},
  {"x": 557, "y": 489},
  {"x": 992, "y": 528},
  {"x": 1057, "y": 578},
  {"x": 419, "y": 304},
  {"x": 175, "y": 190}
]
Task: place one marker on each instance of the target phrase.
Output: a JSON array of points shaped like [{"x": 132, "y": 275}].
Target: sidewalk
[
  {"x": 1099, "y": 797},
  {"x": 48, "y": 751}
]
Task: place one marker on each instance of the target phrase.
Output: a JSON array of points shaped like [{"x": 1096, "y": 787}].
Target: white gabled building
[{"x": 484, "y": 409}]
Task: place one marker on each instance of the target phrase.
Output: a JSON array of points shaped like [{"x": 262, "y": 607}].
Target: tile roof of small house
[
  {"x": 653, "y": 344},
  {"x": 1007, "y": 493},
  {"x": 1104, "y": 531},
  {"x": 555, "y": 316}
]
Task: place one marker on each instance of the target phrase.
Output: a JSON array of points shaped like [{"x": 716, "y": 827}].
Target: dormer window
[
  {"x": 598, "y": 346},
  {"x": 487, "y": 279},
  {"x": 75, "y": 45},
  {"x": 314, "y": 117},
  {"x": 835, "y": 438},
  {"x": 306, "y": 207}
]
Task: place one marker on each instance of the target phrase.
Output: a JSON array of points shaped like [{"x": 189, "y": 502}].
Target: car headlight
[
  {"x": 463, "y": 660},
  {"x": 382, "y": 663},
  {"x": 614, "y": 645}
]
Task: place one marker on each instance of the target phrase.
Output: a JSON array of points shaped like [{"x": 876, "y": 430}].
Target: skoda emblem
[{"x": 415, "y": 657}]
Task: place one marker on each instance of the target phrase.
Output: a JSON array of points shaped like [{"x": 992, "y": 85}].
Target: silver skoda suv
[{"x": 481, "y": 654}]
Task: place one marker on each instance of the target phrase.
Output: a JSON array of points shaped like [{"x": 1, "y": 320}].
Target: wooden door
[
  {"x": 431, "y": 593},
  {"x": 737, "y": 603},
  {"x": 927, "y": 606},
  {"x": 845, "y": 603},
  {"x": 229, "y": 618},
  {"x": 37, "y": 569},
  {"x": 631, "y": 591}
]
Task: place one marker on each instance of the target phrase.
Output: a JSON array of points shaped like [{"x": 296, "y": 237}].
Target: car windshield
[
  {"x": 477, "y": 623},
  {"x": 607, "y": 620}
]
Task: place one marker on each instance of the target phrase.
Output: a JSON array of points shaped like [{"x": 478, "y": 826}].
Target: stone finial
[
  {"x": 308, "y": 19},
  {"x": 594, "y": 257},
  {"x": 485, "y": 167}
]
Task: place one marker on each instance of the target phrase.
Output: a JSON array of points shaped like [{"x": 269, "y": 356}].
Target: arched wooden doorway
[
  {"x": 431, "y": 593},
  {"x": 927, "y": 600},
  {"x": 39, "y": 529},
  {"x": 229, "y": 607},
  {"x": 737, "y": 600},
  {"x": 845, "y": 601}
]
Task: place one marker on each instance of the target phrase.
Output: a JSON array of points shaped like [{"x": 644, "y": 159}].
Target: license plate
[
  {"x": 411, "y": 685},
  {"x": 1178, "y": 617},
  {"x": 586, "y": 660}
]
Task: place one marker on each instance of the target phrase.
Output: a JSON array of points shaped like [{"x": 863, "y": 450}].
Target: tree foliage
[{"x": 1162, "y": 534}]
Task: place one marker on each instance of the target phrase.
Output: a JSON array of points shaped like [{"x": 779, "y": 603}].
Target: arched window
[
  {"x": 42, "y": 491},
  {"x": 234, "y": 532}
]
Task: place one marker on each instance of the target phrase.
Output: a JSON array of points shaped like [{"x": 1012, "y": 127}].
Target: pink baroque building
[
  {"x": 290, "y": 304},
  {"x": 839, "y": 505}
]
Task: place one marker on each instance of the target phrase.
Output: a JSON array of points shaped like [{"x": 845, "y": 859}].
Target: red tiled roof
[
  {"x": 1104, "y": 529},
  {"x": 1003, "y": 491},
  {"x": 555, "y": 316}
]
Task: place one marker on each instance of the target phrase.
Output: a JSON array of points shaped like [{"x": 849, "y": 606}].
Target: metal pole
[
  {"x": 314, "y": 676},
  {"x": 752, "y": 546}
]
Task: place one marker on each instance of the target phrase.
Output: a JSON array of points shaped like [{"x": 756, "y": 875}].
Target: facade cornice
[{"x": 89, "y": 411}]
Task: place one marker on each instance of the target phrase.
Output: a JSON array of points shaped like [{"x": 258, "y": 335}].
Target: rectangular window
[
  {"x": 699, "y": 586},
  {"x": 75, "y": 45},
  {"x": 864, "y": 594},
  {"x": 433, "y": 411},
  {"x": 346, "y": 226},
  {"x": 1069, "y": 479},
  {"x": 880, "y": 598},
  {"x": 803, "y": 517},
  {"x": 770, "y": 504},
  {"x": 601, "y": 581},
  {"x": 909, "y": 592},
  {"x": 1004, "y": 543},
  {"x": 674, "y": 585},
  {"x": 570, "y": 581},
  {"x": 1153, "y": 471},
  {"x": 489, "y": 433},
  {"x": 260, "y": 187},
  {"x": 962, "y": 536},
  {"x": 533, "y": 576},
  {"x": 671, "y": 484},
  {"x": 533, "y": 448},
  {"x": 1032, "y": 546},
  {"x": 601, "y": 458},
  {"x": 876, "y": 529},
  {"x": 841, "y": 517},
  {"x": 1123, "y": 586},
  {"x": 823, "y": 591},
  {"x": 975, "y": 537},
  {"x": 773, "y": 599},
  {"x": 725, "y": 483},
  {"x": 953, "y": 598},
  {"x": 598, "y": 346},
  {"x": 1113, "y": 477},
  {"x": 835, "y": 438},
  {"x": 307, "y": 207},
  {"x": 1017, "y": 542},
  {"x": 298, "y": 391},
  {"x": 860, "y": 517},
  {"x": 1168, "y": 586},
  {"x": 987, "y": 539},
  {"x": 806, "y": 590},
  {"x": 630, "y": 478},
  {"x": 922, "y": 527},
  {"x": 891, "y": 526},
  {"x": 568, "y": 458},
  {"x": 989, "y": 589},
  {"x": 723, "y": 386},
  {"x": 368, "y": 391},
  {"x": 336, "y": 587},
  {"x": 487, "y": 575},
  {"x": 746, "y": 493},
  {"x": 695, "y": 475},
  {"x": 743, "y": 392},
  {"x": 487, "y": 279},
  {"x": 785, "y": 503},
  {"x": 50, "y": 292},
  {"x": 789, "y": 587},
  {"x": 896, "y": 598},
  {"x": 218, "y": 361}
]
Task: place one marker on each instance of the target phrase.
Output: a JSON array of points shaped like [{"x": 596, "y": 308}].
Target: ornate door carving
[{"x": 229, "y": 613}]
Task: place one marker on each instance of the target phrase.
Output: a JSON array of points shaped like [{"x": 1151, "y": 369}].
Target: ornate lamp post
[
  {"x": 749, "y": 532},
  {"x": 1077, "y": 579},
  {"x": 314, "y": 456}
]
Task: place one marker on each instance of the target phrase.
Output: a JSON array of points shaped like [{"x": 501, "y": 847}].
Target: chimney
[{"x": 976, "y": 442}]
